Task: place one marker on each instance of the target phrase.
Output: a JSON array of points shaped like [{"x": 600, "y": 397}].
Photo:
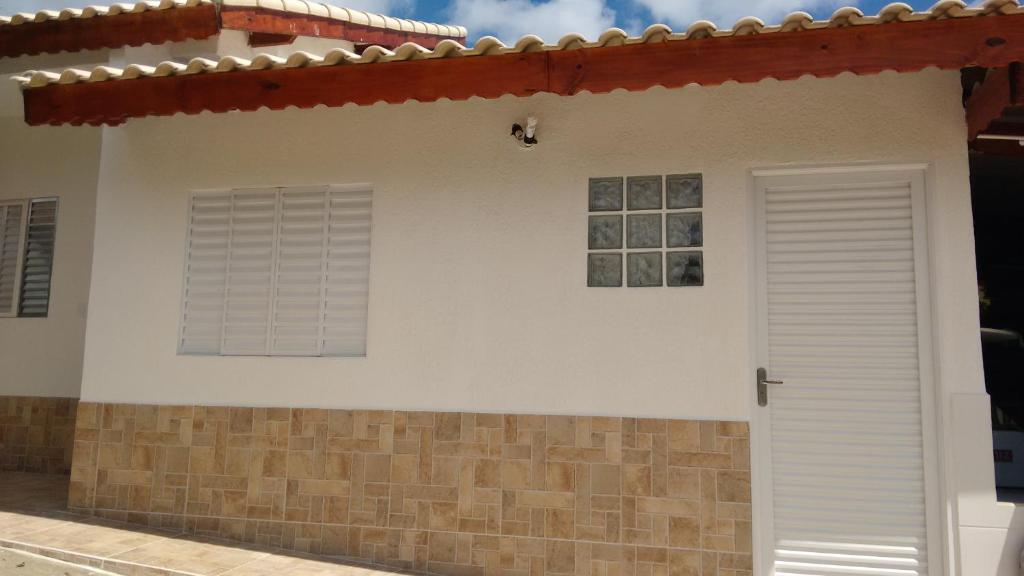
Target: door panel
[{"x": 841, "y": 274}]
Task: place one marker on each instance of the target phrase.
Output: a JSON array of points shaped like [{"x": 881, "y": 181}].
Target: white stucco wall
[
  {"x": 224, "y": 43},
  {"x": 478, "y": 296},
  {"x": 43, "y": 356},
  {"x": 236, "y": 43}
]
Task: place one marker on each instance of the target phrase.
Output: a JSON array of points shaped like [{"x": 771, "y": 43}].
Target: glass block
[
  {"x": 605, "y": 194},
  {"x": 643, "y": 231},
  {"x": 643, "y": 269},
  {"x": 604, "y": 270},
  {"x": 605, "y": 232},
  {"x": 684, "y": 229},
  {"x": 643, "y": 192},
  {"x": 684, "y": 191},
  {"x": 685, "y": 268}
]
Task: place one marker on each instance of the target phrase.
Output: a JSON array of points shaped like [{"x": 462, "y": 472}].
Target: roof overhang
[
  {"x": 159, "y": 21},
  {"x": 455, "y": 73},
  {"x": 73, "y": 31}
]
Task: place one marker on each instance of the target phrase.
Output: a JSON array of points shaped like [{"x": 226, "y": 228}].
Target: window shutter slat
[{"x": 37, "y": 266}]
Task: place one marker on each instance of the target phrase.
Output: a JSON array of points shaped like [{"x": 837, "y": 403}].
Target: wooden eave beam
[
  {"x": 267, "y": 21},
  {"x": 991, "y": 42},
  {"x": 987, "y": 103},
  {"x": 261, "y": 39},
  {"x": 126, "y": 29}
]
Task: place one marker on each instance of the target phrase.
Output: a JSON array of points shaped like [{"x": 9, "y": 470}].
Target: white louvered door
[{"x": 843, "y": 322}]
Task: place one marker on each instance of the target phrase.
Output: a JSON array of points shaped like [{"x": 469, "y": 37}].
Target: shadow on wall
[{"x": 37, "y": 434}]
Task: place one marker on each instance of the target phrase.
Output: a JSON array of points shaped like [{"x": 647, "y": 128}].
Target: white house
[{"x": 334, "y": 306}]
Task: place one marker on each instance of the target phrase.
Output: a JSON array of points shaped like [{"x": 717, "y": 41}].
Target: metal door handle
[{"x": 762, "y": 386}]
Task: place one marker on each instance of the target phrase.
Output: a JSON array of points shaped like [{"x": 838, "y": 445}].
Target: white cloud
[
  {"x": 509, "y": 20},
  {"x": 724, "y": 13}
]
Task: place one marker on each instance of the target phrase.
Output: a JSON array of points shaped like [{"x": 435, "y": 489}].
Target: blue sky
[{"x": 550, "y": 19}]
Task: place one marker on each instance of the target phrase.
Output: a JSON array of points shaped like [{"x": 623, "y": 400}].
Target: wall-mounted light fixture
[{"x": 526, "y": 138}]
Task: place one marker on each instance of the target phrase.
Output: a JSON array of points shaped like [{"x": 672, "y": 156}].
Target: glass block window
[{"x": 645, "y": 231}]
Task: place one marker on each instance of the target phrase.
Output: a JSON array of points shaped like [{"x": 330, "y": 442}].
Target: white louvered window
[
  {"x": 278, "y": 272},
  {"x": 12, "y": 233},
  {"x": 27, "y": 234},
  {"x": 37, "y": 267}
]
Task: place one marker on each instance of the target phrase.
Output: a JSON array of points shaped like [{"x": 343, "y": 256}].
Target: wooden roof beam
[
  {"x": 127, "y": 29},
  {"x": 260, "y": 20},
  {"x": 989, "y": 100},
  {"x": 262, "y": 39},
  {"x": 991, "y": 42}
]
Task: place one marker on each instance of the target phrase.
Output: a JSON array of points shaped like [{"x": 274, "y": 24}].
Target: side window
[
  {"x": 277, "y": 272},
  {"x": 12, "y": 233},
  {"x": 37, "y": 266},
  {"x": 28, "y": 231}
]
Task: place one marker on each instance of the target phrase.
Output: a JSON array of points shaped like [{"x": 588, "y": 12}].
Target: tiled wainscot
[{"x": 447, "y": 493}]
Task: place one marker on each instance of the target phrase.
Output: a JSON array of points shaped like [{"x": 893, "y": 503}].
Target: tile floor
[{"x": 33, "y": 518}]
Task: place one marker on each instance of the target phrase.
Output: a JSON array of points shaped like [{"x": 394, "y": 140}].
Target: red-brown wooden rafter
[
  {"x": 126, "y": 29},
  {"x": 260, "y": 39},
  {"x": 1001, "y": 90},
  {"x": 947, "y": 44},
  {"x": 278, "y": 22}
]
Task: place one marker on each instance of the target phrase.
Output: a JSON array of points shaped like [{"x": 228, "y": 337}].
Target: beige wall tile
[
  {"x": 636, "y": 480},
  {"x": 37, "y": 434},
  {"x": 450, "y": 493}
]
